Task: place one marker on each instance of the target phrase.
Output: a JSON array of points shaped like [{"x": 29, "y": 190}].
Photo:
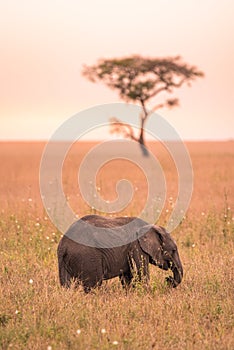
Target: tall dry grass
[{"x": 35, "y": 313}]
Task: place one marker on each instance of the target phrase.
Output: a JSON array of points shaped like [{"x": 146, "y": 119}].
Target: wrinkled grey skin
[{"x": 91, "y": 265}]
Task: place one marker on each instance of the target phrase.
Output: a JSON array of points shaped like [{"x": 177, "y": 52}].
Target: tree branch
[
  {"x": 118, "y": 127},
  {"x": 154, "y": 93}
]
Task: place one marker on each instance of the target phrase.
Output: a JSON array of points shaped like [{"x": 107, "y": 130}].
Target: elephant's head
[{"x": 162, "y": 250}]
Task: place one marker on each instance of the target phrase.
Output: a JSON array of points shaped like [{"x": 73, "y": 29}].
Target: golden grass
[{"x": 35, "y": 313}]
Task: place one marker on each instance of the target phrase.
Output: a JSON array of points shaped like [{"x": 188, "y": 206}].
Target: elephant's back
[
  {"x": 103, "y": 221},
  {"x": 102, "y": 232}
]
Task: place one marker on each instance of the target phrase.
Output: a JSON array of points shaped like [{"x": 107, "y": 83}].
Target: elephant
[{"x": 91, "y": 263}]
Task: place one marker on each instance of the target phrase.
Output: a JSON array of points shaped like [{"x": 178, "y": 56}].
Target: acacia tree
[{"x": 140, "y": 79}]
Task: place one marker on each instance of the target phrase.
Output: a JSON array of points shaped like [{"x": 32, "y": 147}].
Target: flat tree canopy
[{"x": 140, "y": 79}]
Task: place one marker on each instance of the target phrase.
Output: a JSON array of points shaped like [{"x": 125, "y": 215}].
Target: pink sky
[{"x": 45, "y": 43}]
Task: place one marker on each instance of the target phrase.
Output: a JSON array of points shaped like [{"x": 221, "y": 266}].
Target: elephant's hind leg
[
  {"x": 65, "y": 277},
  {"x": 126, "y": 279},
  {"x": 89, "y": 285}
]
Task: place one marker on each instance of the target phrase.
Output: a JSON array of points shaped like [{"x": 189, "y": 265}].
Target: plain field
[{"x": 35, "y": 313}]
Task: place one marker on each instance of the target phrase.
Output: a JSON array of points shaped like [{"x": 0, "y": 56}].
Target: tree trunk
[
  {"x": 143, "y": 117},
  {"x": 141, "y": 139}
]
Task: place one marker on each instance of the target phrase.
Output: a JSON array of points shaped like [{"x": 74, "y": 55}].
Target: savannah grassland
[{"x": 36, "y": 313}]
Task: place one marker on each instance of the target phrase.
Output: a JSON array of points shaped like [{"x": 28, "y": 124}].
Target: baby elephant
[{"x": 97, "y": 248}]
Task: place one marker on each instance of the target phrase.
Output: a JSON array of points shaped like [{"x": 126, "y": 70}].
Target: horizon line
[{"x": 114, "y": 139}]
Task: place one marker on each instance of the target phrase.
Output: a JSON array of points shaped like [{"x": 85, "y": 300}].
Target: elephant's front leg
[
  {"x": 142, "y": 267},
  {"x": 143, "y": 272}
]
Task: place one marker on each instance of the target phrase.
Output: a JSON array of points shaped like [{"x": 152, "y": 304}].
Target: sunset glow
[{"x": 44, "y": 45}]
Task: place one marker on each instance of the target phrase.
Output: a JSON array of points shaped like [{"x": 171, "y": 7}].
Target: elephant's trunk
[
  {"x": 177, "y": 270},
  {"x": 177, "y": 275}
]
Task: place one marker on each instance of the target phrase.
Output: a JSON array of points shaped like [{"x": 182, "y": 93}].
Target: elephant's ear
[{"x": 150, "y": 238}]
